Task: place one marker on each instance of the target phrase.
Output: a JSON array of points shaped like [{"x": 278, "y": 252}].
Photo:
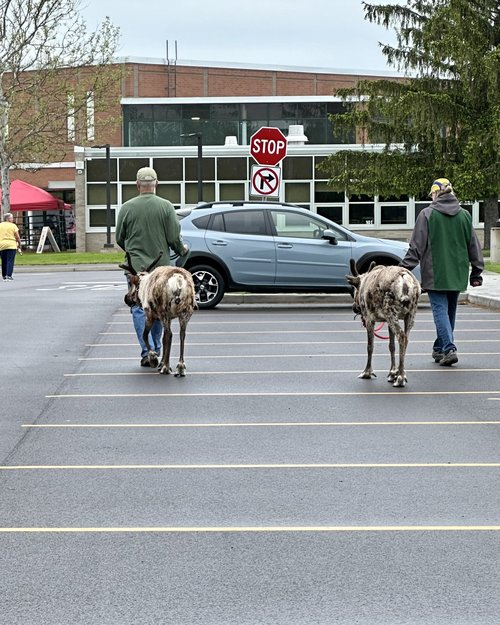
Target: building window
[
  {"x": 231, "y": 191},
  {"x": 232, "y": 168},
  {"x": 168, "y": 168},
  {"x": 97, "y": 169},
  {"x": 192, "y": 192},
  {"x": 297, "y": 168},
  {"x": 393, "y": 214},
  {"x": 96, "y": 194},
  {"x": 170, "y": 192},
  {"x": 333, "y": 213},
  {"x": 98, "y": 218},
  {"x": 324, "y": 193},
  {"x": 298, "y": 193},
  {"x": 207, "y": 169},
  {"x": 130, "y": 166},
  {"x": 361, "y": 209}
]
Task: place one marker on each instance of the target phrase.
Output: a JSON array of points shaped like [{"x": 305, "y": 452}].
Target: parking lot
[{"x": 270, "y": 485}]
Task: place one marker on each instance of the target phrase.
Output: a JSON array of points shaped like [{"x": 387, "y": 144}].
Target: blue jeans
[
  {"x": 139, "y": 319},
  {"x": 444, "y": 310},
  {"x": 7, "y": 257}
]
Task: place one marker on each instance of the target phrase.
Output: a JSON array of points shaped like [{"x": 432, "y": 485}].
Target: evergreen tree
[{"x": 443, "y": 119}]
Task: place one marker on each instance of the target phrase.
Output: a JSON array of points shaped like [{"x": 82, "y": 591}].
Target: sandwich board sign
[{"x": 47, "y": 234}]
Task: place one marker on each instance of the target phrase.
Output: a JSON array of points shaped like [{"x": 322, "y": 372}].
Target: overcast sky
[{"x": 311, "y": 33}]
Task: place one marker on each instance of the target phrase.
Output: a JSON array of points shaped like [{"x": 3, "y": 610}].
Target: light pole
[
  {"x": 107, "y": 147},
  {"x": 199, "y": 137}
]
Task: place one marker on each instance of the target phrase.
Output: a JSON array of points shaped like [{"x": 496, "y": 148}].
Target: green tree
[
  {"x": 54, "y": 75},
  {"x": 443, "y": 119}
]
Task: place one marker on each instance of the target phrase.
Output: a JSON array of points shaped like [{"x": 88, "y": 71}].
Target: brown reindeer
[
  {"x": 165, "y": 293},
  {"x": 386, "y": 294}
]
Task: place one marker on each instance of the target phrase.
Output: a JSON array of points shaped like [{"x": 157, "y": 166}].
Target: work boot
[{"x": 450, "y": 358}]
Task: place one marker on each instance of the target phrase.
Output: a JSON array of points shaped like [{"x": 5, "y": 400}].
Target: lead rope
[{"x": 376, "y": 330}]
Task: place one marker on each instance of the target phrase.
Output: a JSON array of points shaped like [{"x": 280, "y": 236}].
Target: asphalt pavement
[
  {"x": 270, "y": 486},
  {"x": 487, "y": 295}
]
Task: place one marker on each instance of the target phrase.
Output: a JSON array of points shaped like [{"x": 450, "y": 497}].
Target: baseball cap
[
  {"x": 146, "y": 174},
  {"x": 440, "y": 183}
]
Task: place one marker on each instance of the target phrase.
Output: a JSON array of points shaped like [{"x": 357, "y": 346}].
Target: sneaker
[
  {"x": 450, "y": 358},
  {"x": 9, "y": 278},
  {"x": 145, "y": 361},
  {"x": 438, "y": 356}
]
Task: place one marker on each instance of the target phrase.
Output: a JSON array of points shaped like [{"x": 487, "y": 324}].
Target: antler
[
  {"x": 148, "y": 269},
  {"x": 354, "y": 270},
  {"x": 128, "y": 267}
]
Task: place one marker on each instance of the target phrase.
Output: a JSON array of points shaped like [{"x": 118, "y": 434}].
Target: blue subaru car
[{"x": 272, "y": 247}]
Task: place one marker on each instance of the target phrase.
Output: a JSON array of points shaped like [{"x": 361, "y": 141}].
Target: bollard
[{"x": 495, "y": 245}]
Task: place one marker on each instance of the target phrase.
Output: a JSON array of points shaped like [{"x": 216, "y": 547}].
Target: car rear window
[{"x": 201, "y": 222}]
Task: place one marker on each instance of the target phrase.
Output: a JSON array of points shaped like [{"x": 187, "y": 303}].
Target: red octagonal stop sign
[{"x": 268, "y": 146}]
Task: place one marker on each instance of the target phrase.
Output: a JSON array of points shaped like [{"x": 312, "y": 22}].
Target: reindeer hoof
[
  {"x": 164, "y": 370},
  {"x": 367, "y": 375},
  {"x": 181, "y": 371},
  {"x": 153, "y": 359},
  {"x": 400, "y": 381}
]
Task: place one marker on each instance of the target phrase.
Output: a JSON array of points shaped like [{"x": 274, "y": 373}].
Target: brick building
[{"x": 222, "y": 104}]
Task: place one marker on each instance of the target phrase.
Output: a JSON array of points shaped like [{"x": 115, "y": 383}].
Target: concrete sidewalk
[{"x": 487, "y": 295}]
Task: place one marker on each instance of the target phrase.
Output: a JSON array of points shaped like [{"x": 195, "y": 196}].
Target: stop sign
[{"x": 268, "y": 146}]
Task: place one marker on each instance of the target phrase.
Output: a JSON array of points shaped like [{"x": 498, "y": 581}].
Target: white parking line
[
  {"x": 245, "y": 356},
  {"x": 250, "y": 529},
  {"x": 272, "y": 424},
  {"x": 224, "y": 467},
  {"x": 447, "y": 370},
  {"x": 392, "y": 393}
]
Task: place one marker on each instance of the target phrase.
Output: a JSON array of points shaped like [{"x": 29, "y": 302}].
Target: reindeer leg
[
  {"x": 391, "y": 376},
  {"x": 368, "y": 372},
  {"x": 181, "y": 367},
  {"x": 164, "y": 367},
  {"x": 403, "y": 337},
  {"x": 152, "y": 355}
]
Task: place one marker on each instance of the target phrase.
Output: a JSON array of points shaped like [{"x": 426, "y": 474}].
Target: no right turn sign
[{"x": 265, "y": 181}]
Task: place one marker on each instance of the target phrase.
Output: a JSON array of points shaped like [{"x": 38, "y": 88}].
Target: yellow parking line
[
  {"x": 177, "y": 467},
  {"x": 254, "y": 529}
]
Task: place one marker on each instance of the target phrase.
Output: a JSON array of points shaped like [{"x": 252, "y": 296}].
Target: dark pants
[{"x": 7, "y": 257}]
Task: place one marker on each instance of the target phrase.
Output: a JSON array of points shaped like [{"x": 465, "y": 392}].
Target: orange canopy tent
[{"x": 26, "y": 197}]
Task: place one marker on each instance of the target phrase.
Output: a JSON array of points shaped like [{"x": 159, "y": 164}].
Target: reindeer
[
  {"x": 165, "y": 293},
  {"x": 386, "y": 294}
]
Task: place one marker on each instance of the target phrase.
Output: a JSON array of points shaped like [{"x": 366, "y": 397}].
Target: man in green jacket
[
  {"x": 445, "y": 244},
  {"x": 147, "y": 225}
]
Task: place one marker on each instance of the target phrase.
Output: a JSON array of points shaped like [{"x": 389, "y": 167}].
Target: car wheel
[{"x": 208, "y": 284}]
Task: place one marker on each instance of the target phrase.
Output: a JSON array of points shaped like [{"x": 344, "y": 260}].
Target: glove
[{"x": 477, "y": 281}]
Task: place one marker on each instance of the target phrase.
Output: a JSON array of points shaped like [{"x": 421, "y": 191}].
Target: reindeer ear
[{"x": 354, "y": 280}]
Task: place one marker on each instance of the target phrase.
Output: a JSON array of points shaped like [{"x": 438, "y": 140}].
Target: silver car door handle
[
  {"x": 285, "y": 246},
  {"x": 219, "y": 243}
]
